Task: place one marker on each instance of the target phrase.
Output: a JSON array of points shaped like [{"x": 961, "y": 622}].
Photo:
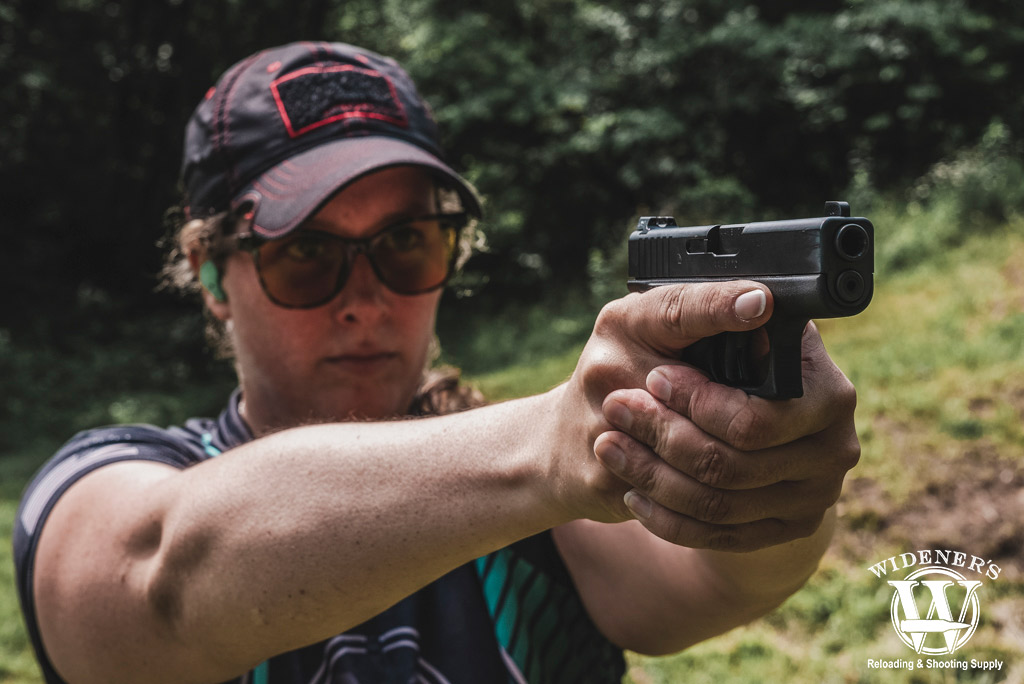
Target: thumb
[{"x": 670, "y": 317}]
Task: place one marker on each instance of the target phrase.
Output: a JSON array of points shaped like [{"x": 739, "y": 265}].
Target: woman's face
[{"x": 362, "y": 354}]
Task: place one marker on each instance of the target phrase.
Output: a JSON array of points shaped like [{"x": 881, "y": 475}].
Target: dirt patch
[
  {"x": 1016, "y": 399},
  {"x": 973, "y": 503},
  {"x": 1013, "y": 272}
]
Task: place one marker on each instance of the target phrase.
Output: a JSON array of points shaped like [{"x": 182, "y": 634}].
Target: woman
[{"x": 291, "y": 541}]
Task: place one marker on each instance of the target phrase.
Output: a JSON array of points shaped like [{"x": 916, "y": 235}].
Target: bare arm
[{"x": 279, "y": 543}]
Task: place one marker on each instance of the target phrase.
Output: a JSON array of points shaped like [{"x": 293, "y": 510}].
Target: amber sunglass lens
[
  {"x": 416, "y": 256},
  {"x": 301, "y": 270}
]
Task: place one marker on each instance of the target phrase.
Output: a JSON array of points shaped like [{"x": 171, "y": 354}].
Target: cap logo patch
[{"x": 318, "y": 95}]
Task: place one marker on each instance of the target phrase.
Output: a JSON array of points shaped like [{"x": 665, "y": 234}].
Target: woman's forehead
[{"x": 376, "y": 200}]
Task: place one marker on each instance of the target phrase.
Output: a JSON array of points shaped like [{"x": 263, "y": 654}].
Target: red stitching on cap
[
  {"x": 273, "y": 66},
  {"x": 270, "y": 180},
  {"x": 222, "y": 127},
  {"x": 347, "y": 114},
  {"x": 272, "y": 195}
]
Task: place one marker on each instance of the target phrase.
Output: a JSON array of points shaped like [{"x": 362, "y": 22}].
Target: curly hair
[{"x": 441, "y": 390}]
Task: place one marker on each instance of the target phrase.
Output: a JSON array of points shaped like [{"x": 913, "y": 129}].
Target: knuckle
[
  {"x": 830, "y": 496},
  {"x": 711, "y": 505},
  {"x": 847, "y": 398},
  {"x": 850, "y": 398},
  {"x": 844, "y": 451},
  {"x": 671, "y": 313},
  {"x": 748, "y": 429},
  {"x": 666, "y": 441},
  {"x": 598, "y": 370},
  {"x": 598, "y": 362},
  {"x": 643, "y": 476},
  {"x": 713, "y": 467},
  {"x": 849, "y": 457},
  {"x": 607, "y": 488},
  {"x": 702, "y": 400},
  {"x": 674, "y": 528},
  {"x": 703, "y": 304},
  {"x": 723, "y": 538},
  {"x": 612, "y": 314}
]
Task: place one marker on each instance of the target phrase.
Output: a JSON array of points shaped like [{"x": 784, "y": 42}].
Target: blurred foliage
[
  {"x": 977, "y": 190},
  {"x": 572, "y": 117},
  {"x": 119, "y": 370}
]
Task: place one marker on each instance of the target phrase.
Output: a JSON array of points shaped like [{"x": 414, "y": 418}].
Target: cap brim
[{"x": 288, "y": 193}]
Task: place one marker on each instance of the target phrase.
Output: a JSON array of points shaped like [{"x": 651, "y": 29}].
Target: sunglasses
[{"x": 308, "y": 268}]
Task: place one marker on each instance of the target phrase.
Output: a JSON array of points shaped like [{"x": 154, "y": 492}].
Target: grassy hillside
[{"x": 938, "y": 359}]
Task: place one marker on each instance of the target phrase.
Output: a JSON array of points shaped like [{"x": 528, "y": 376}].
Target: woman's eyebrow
[{"x": 385, "y": 221}]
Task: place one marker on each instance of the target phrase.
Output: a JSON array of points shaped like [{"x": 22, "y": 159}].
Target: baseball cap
[{"x": 288, "y": 127}]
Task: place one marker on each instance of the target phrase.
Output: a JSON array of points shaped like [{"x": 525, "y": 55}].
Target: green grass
[
  {"x": 938, "y": 359},
  {"x": 525, "y": 379},
  {"x": 17, "y": 664}
]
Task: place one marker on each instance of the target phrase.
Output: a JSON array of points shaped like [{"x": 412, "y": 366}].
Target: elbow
[
  {"x": 164, "y": 599},
  {"x": 193, "y": 641},
  {"x": 177, "y": 561}
]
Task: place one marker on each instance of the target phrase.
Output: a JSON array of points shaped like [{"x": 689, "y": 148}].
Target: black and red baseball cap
[{"x": 288, "y": 127}]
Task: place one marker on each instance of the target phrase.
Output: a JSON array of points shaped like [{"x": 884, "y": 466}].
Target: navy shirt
[{"x": 512, "y": 616}]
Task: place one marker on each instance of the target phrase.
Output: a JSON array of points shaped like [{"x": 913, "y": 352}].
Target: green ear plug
[{"x": 209, "y": 276}]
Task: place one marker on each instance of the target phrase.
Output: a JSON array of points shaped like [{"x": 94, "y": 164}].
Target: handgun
[{"x": 819, "y": 267}]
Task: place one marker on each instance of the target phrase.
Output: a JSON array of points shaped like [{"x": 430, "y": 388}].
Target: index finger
[{"x": 671, "y": 317}]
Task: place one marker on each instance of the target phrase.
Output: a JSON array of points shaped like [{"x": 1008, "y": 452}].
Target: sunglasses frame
[{"x": 251, "y": 243}]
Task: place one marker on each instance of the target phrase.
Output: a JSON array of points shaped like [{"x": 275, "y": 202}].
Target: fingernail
[
  {"x": 618, "y": 414},
  {"x": 659, "y": 386},
  {"x": 611, "y": 455},
  {"x": 638, "y": 504},
  {"x": 750, "y": 305}
]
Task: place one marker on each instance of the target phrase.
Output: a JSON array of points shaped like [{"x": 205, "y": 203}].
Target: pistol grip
[{"x": 727, "y": 359}]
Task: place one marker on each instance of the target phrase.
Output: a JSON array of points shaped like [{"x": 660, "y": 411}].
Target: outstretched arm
[{"x": 146, "y": 572}]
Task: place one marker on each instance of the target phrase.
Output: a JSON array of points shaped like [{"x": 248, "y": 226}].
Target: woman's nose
[{"x": 363, "y": 297}]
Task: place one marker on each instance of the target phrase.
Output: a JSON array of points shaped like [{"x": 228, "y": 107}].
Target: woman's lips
[{"x": 363, "y": 361}]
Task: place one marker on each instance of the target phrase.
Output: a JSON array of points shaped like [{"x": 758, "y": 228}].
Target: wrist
[
  {"x": 555, "y": 446},
  {"x": 577, "y": 485}
]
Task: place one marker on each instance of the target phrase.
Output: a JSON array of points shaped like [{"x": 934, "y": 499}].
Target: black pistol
[{"x": 815, "y": 268}]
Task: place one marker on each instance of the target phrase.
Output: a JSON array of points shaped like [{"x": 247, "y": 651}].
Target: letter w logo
[{"x": 913, "y": 630}]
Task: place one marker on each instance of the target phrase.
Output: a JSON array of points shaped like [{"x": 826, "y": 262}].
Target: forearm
[
  {"x": 761, "y": 580},
  {"x": 652, "y": 596},
  {"x": 728, "y": 589},
  {"x": 307, "y": 532}
]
